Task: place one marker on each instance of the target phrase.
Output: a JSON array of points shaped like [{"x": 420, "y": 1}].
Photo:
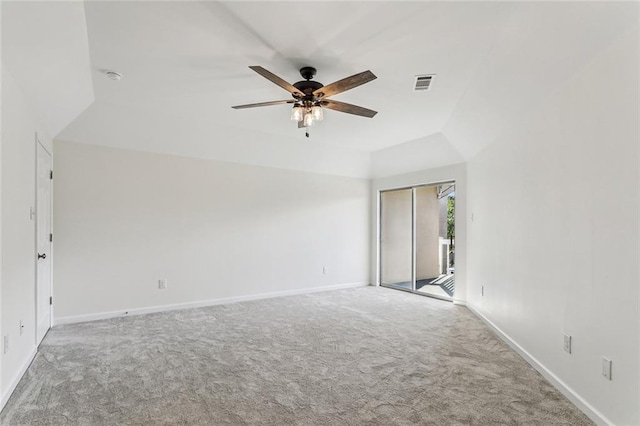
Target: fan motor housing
[{"x": 307, "y": 87}]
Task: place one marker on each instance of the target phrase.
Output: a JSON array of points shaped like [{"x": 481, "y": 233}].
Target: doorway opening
[{"x": 417, "y": 239}]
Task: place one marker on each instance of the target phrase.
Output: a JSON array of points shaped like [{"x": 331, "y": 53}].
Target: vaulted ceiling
[{"x": 186, "y": 63}]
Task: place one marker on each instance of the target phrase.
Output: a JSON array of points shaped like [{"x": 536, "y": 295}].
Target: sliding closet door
[
  {"x": 417, "y": 239},
  {"x": 396, "y": 238}
]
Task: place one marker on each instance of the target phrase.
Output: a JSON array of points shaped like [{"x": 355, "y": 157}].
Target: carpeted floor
[{"x": 369, "y": 356}]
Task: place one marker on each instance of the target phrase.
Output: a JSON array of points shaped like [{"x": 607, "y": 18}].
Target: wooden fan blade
[
  {"x": 276, "y": 80},
  {"x": 348, "y": 108},
  {"x": 345, "y": 84},
  {"x": 261, "y": 104}
]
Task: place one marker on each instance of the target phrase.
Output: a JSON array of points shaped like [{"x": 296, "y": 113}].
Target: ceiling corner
[{"x": 55, "y": 75}]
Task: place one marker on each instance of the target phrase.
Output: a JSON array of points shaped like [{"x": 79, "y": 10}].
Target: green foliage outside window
[{"x": 451, "y": 227}]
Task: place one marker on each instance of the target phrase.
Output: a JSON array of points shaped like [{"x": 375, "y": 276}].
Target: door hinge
[
  {"x": 50, "y": 174},
  {"x": 50, "y": 238},
  {"x": 51, "y": 300}
]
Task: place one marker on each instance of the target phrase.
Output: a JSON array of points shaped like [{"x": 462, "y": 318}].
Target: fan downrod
[{"x": 308, "y": 72}]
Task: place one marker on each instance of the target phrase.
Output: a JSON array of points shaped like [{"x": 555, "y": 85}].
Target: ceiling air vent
[{"x": 423, "y": 82}]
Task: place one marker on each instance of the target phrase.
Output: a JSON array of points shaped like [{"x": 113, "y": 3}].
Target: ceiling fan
[{"x": 310, "y": 97}]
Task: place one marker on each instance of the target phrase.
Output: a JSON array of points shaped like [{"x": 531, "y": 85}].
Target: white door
[{"x": 43, "y": 242}]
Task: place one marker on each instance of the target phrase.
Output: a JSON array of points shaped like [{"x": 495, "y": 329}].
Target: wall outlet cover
[{"x": 162, "y": 284}]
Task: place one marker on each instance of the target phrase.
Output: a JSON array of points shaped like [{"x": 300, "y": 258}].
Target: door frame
[
  {"x": 39, "y": 144},
  {"x": 413, "y": 238}
]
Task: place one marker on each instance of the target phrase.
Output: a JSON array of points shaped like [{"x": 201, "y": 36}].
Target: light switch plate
[
  {"x": 606, "y": 367},
  {"x": 567, "y": 343}
]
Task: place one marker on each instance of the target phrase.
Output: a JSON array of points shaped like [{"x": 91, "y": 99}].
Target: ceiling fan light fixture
[
  {"x": 297, "y": 113},
  {"x": 316, "y": 111},
  {"x": 310, "y": 97},
  {"x": 308, "y": 119}
]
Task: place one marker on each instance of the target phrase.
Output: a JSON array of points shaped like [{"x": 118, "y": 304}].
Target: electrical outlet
[
  {"x": 481, "y": 290},
  {"x": 162, "y": 284},
  {"x": 325, "y": 270},
  {"x": 21, "y": 327},
  {"x": 5, "y": 346},
  {"x": 606, "y": 368},
  {"x": 567, "y": 343}
]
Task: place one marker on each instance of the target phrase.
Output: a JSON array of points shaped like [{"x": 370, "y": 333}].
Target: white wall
[
  {"x": 46, "y": 81},
  {"x": 137, "y": 129},
  {"x": 1, "y": 135},
  {"x": 553, "y": 233},
  {"x": 19, "y": 128},
  {"x": 426, "y": 153},
  {"x": 457, "y": 173},
  {"x": 124, "y": 219}
]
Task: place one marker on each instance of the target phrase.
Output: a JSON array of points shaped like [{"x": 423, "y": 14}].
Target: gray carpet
[{"x": 369, "y": 356}]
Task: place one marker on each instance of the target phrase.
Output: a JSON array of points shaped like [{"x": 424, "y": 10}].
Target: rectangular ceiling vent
[{"x": 423, "y": 82}]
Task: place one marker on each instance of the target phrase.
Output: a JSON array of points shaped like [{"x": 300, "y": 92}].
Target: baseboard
[
  {"x": 566, "y": 390},
  {"x": 459, "y": 302},
  {"x": 16, "y": 379},
  {"x": 200, "y": 304}
]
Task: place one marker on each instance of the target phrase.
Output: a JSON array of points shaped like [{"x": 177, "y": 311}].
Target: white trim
[
  {"x": 36, "y": 231},
  {"x": 565, "y": 389},
  {"x": 16, "y": 379},
  {"x": 414, "y": 238},
  {"x": 378, "y": 262},
  {"x": 460, "y": 302},
  {"x": 202, "y": 303}
]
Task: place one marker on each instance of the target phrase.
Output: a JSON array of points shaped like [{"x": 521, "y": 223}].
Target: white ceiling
[
  {"x": 186, "y": 63},
  {"x": 45, "y": 48}
]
